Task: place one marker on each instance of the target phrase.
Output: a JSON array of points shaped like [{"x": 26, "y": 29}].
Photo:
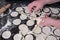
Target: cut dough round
[
  {"x": 21, "y": 12},
  {"x": 29, "y": 37},
  {"x": 54, "y": 10},
  {"x": 17, "y": 37},
  {"x": 26, "y": 10},
  {"x": 16, "y": 21},
  {"x": 51, "y": 38},
  {"x": 6, "y": 34},
  {"x": 57, "y": 32},
  {"x": 23, "y": 17},
  {"x": 24, "y": 29},
  {"x": 19, "y": 9},
  {"x": 46, "y": 30},
  {"x": 30, "y": 23},
  {"x": 46, "y": 9},
  {"x": 14, "y": 14},
  {"x": 39, "y": 20},
  {"x": 37, "y": 29},
  {"x": 40, "y": 37},
  {"x": 33, "y": 16}
]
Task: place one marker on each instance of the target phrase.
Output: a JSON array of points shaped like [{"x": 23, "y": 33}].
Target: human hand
[
  {"x": 35, "y": 5},
  {"x": 38, "y": 4},
  {"x": 46, "y": 21}
]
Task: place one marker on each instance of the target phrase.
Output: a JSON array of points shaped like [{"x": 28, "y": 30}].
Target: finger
[
  {"x": 30, "y": 6},
  {"x": 43, "y": 24},
  {"x": 37, "y": 8},
  {"x": 46, "y": 15}
]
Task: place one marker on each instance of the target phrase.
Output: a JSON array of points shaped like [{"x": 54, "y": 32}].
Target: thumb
[{"x": 43, "y": 24}]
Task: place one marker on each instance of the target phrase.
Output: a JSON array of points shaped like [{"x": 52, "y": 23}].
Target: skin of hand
[
  {"x": 47, "y": 21},
  {"x": 3, "y": 9},
  {"x": 38, "y": 4}
]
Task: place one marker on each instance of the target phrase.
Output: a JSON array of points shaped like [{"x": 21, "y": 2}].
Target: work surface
[{"x": 17, "y": 24}]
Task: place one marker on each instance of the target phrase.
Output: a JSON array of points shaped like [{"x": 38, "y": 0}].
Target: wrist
[{"x": 51, "y": 1}]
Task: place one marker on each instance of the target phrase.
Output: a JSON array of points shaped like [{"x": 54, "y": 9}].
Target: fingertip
[
  {"x": 36, "y": 9},
  {"x": 29, "y": 9},
  {"x": 30, "y": 12},
  {"x": 46, "y": 15}
]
